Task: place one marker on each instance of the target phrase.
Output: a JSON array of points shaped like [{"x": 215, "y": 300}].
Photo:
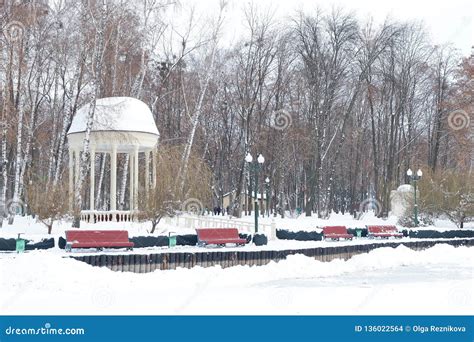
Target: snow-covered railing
[
  {"x": 202, "y": 221},
  {"x": 95, "y": 216}
]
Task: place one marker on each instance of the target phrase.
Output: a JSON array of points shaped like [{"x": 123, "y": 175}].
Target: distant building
[{"x": 244, "y": 199}]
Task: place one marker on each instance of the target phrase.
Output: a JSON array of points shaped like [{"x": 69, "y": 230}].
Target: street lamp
[
  {"x": 248, "y": 158},
  {"x": 415, "y": 178},
  {"x": 256, "y": 168},
  {"x": 267, "y": 185}
]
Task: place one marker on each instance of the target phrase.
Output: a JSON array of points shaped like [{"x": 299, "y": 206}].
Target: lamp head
[
  {"x": 260, "y": 159},
  {"x": 409, "y": 173},
  {"x": 248, "y": 158},
  {"x": 419, "y": 173}
]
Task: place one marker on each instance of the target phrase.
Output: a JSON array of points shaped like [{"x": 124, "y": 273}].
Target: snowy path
[{"x": 386, "y": 281}]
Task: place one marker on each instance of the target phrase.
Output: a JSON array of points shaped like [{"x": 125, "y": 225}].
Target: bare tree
[
  {"x": 48, "y": 202},
  {"x": 167, "y": 197}
]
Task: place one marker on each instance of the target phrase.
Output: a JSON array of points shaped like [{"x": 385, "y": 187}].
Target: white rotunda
[{"x": 121, "y": 125}]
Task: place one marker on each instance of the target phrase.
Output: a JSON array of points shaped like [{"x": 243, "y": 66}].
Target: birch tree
[{"x": 95, "y": 86}]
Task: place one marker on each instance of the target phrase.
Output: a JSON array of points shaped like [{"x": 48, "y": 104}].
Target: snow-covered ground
[{"x": 385, "y": 281}]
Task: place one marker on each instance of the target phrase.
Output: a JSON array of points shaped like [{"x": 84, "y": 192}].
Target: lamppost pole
[
  {"x": 256, "y": 167},
  {"x": 256, "y": 197},
  {"x": 267, "y": 183},
  {"x": 415, "y": 207},
  {"x": 415, "y": 178}
]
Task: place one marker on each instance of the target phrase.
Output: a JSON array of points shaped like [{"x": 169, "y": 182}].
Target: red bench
[
  {"x": 336, "y": 233},
  {"x": 383, "y": 232},
  {"x": 219, "y": 236},
  {"x": 97, "y": 239}
]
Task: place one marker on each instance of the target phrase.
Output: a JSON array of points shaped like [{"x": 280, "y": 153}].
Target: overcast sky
[{"x": 445, "y": 21}]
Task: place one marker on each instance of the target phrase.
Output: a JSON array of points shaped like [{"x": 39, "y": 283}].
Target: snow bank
[{"x": 385, "y": 281}]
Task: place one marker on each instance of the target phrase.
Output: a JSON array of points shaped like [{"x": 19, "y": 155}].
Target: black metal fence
[{"x": 143, "y": 263}]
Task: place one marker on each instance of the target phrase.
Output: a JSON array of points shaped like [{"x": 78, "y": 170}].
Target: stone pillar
[
  {"x": 71, "y": 179},
  {"x": 113, "y": 178},
  {"x": 153, "y": 171},
  {"x": 130, "y": 163},
  {"x": 92, "y": 182},
  {"x": 135, "y": 175},
  {"x": 147, "y": 171}
]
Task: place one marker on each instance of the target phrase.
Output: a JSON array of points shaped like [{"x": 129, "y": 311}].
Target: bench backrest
[
  {"x": 217, "y": 233},
  {"x": 96, "y": 236},
  {"x": 334, "y": 230},
  {"x": 382, "y": 229}
]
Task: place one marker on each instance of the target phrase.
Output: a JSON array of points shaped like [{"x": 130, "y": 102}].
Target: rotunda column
[
  {"x": 113, "y": 178},
  {"x": 153, "y": 171},
  {"x": 135, "y": 174},
  {"x": 130, "y": 163},
  {"x": 147, "y": 171}
]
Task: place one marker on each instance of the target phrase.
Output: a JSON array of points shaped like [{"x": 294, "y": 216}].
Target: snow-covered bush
[{"x": 408, "y": 221}]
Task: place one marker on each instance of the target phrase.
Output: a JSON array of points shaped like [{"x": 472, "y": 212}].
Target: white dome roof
[{"x": 124, "y": 114}]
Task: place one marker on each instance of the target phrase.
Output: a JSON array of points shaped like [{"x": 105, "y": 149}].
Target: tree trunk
[{"x": 95, "y": 85}]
